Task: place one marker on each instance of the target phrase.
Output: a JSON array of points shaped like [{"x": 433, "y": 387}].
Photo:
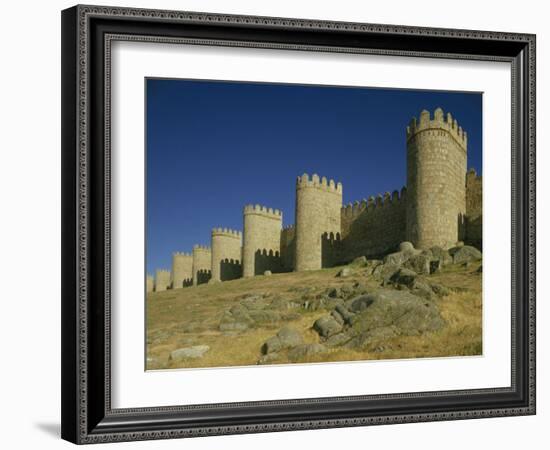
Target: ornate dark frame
[{"x": 87, "y": 31}]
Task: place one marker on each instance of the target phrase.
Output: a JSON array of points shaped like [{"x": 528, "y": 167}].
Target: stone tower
[
  {"x": 262, "y": 240},
  {"x": 436, "y": 180},
  {"x": 202, "y": 264},
  {"x": 318, "y": 211},
  {"x": 162, "y": 280},
  {"x": 150, "y": 284},
  {"x": 182, "y": 269},
  {"x": 226, "y": 254}
]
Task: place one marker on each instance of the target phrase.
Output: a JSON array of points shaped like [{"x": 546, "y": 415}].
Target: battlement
[
  {"x": 439, "y": 122},
  {"x": 322, "y": 183},
  {"x": 288, "y": 228},
  {"x": 162, "y": 272},
  {"x": 190, "y": 255},
  {"x": 227, "y": 232},
  {"x": 380, "y": 201},
  {"x": 201, "y": 248},
  {"x": 263, "y": 211}
]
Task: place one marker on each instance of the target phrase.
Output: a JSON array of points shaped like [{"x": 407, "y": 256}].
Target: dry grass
[{"x": 190, "y": 316}]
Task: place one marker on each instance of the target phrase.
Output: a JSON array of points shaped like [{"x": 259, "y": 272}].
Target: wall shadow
[
  {"x": 267, "y": 260},
  {"x": 230, "y": 269},
  {"x": 331, "y": 249},
  {"x": 203, "y": 276}
]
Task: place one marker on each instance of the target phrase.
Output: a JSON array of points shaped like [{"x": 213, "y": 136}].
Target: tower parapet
[
  {"x": 440, "y": 122},
  {"x": 262, "y": 240},
  {"x": 202, "y": 264},
  {"x": 318, "y": 211},
  {"x": 226, "y": 254},
  {"x": 182, "y": 269},
  {"x": 436, "y": 180},
  {"x": 162, "y": 280}
]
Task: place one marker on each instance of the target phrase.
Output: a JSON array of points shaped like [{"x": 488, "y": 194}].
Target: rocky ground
[{"x": 410, "y": 304}]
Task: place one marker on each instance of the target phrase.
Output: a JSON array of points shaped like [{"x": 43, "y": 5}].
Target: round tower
[
  {"x": 150, "y": 283},
  {"x": 262, "y": 240},
  {"x": 182, "y": 269},
  {"x": 436, "y": 180},
  {"x": 318, "y": 211},
  {"x": 226, "y": 254},
  {"x": 202, "y": 264},
  {"x": 162, "y": 280}
]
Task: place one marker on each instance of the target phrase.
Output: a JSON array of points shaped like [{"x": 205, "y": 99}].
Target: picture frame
[{"x": 87, "y": 412}]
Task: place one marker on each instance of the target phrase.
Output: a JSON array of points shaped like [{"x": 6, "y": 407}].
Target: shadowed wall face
[
  {"x": 474, "y": 208},
  {"x": 436, "y": 180},
  {"x": 226, "y": 254},
  {"x": 373, "y": 227},
  {"x": 318, "y": 211},
  {"x": 162, "y": 280},
  {"x": 288, "y": 248},
  {"x": 202, "y": 264},
  {"x": 182, "y": 269},
  {"x": 262, "y": 238}
]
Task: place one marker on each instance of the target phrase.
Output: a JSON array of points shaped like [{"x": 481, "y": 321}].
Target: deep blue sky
[{"x": 213, "y": 147}]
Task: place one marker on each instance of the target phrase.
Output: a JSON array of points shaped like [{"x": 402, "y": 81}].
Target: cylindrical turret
[
  {"x": 226, "y": 254},
  {"x": 318, "y": 211},
  {"x": 436, "y": 180},
  {"x": 202, "y": 264},
  {"x": 262, "y": 240},
  {"x": 150, "y": 284},
  {"x": 182, "y": 269},
  {"x": 162, "y": 280}
]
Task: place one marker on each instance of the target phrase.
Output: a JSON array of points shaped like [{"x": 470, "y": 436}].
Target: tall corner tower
[
  {"x": 226, "y": 254},
  {"x": 318, "y": 211},
  {"x": 436, "y": 180},
  {"x": 262, "y": 240}
]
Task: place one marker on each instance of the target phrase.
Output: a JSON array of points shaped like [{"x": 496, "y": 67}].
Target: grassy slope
[{"x": 190, "y": 316}]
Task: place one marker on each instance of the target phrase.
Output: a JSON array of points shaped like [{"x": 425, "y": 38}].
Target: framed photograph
[{"x": 278, "y": 224}]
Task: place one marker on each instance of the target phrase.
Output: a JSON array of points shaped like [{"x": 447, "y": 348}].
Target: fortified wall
[
  {"x": 373, "y": 226},
  {"x": 440, "y": 205}
]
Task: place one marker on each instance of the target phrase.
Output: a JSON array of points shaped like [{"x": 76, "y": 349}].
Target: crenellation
[
  {"x": 440, "y": 205},
  {"x": 439, "y": 123},
  {"x": 304, "y": 182}
]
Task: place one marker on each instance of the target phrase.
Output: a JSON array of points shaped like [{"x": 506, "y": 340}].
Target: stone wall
[
  {"x": 436, "y": 173},
  {"x": 162, "y": 280},
  {"x": 182, "y": 270},
  {"x": 440, "y": 205},
  {"x": 226, "y": 254},
  {"x": 474, "y": 208},
  {"x": 373, "y": 227},
  {"x": 262, "y": 240},
  {"x": 202, "y": 264},
  {"x": 318, "y": 213}
]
